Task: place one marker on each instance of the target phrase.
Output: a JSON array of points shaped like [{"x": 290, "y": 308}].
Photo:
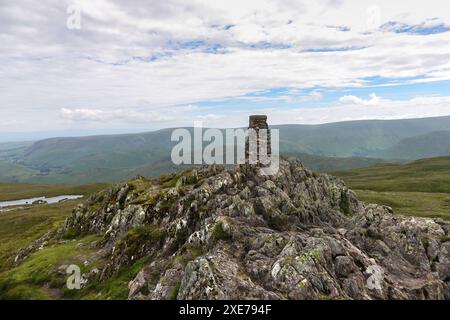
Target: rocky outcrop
[{"x": 215, "y": 233}]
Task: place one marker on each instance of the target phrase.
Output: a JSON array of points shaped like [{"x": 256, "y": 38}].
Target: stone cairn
[{"x": 257, "y": 123}]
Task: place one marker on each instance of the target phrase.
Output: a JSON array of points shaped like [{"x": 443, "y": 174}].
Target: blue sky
[
  {"x": 143, "y": 65},
  {"x": 285, "y": 98}
]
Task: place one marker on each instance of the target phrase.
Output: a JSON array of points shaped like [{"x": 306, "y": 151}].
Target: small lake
[{"x": 31, "y": 200}]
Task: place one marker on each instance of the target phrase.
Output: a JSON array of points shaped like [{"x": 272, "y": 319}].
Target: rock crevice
[{"x": 216, "y": 233}]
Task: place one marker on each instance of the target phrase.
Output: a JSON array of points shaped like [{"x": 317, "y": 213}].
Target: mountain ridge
[{"x": 327, "y": 147}]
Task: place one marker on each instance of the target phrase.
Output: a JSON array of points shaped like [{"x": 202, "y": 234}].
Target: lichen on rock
[{"x": 232, "y": 233}]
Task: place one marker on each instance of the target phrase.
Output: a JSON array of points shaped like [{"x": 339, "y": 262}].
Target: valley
[
  {"x": 378, "y": 163},
  {"x": 420, "y": 188},
  {"x": 324, "y": 148}
]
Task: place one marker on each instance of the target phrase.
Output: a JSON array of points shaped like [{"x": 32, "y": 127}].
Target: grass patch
[
  {"x": 430, "y": 205},
  {"x": 115, "y": 288},
  {"x": 17, "y": 191},
  {"x": 21, "y": 227},
  {"x": 147, "y": 231},
  {"x": 420, "y": 188},
  {"x": 39, "y": 271},
  {"x": 428, "y": 175},
  {"x": 71, "y": 234},
  {"x": 219, "y": 233}
]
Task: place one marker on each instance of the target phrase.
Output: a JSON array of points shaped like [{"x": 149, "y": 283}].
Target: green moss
[
  {"x": 192, "y": 180},
  {"x": 146, "y": 231},
  {"x": 288, "y": 260},
  {"x": 314, "y": 254},
  {"x": 172, "y": 180},
  {"x": 72, "y": 233},
  {"x": 170, "y": 183},
  {"x": 165, "y": 206},
  {"x": 219, "y": 233},
  {"x": 191, "y": 254},
  {"x": 277, "y": 222},
  {"x": 199, "y": 183},
  {"x": 180, "y": 239},
  {"x": 323, "y": 296},
  {"x": 131, "y": 243},
  {"x": 344, "y": 204},
  {"x": 139, "y": 184},
  {"x": 425, "y": 242},
  {"x": 175, "y": 291},
  {"x": 144, "y": 290},
  {"x": 146, "y": 199},
  {"x": 143, "y": 192}
]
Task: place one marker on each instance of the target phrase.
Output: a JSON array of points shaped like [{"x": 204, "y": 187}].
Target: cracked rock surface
[{"x": 216, "y": 233}]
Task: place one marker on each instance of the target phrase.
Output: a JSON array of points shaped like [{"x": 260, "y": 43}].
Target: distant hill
[
  {"x": 325, "y": 148},
  {"x": 367, "y": 138},
  {"x": 432, "y": 144},
  {"x": 331, "y": 164}
]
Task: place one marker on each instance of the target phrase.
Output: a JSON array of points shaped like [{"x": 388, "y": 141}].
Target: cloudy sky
[{"x": 141, "y": 65}]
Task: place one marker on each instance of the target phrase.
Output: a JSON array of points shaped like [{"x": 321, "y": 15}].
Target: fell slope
[
  {"x": 326, "y": 148},
  {"x": 426, "y": 175},
  {"x": 420, "y": 188},
  {"x": 212, "y": 233},
  {"x": 434, "y": 144}
]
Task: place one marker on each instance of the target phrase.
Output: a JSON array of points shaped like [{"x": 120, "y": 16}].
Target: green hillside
[
  {"x": 10, "y": 172},
  {"x": 420, "y": 188},
  {"x": 324, "y": 148},
  {"x": 20, "y": 227},
  {"x": 16, "y": 191},
  {"x": 432, "y": 144},
  {"x": 332, "y": 164},
  {"x": 356, "y": 138},
  {"x": 427, "y": 175}
]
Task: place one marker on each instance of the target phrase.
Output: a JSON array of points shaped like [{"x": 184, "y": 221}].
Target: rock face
[{"x": 216, "y": 233}]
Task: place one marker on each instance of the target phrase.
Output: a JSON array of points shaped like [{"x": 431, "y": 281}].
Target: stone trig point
[{"x": 258, "y": 145}]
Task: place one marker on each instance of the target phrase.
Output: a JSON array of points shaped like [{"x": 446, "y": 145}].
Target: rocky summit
[{"x": 221, "y": 233}]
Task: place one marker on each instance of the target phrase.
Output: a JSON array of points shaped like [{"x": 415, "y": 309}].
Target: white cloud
[
  {"x": 10, "y": 124},
  {"x": 85, "y": 114},
  {"x": 210, "y": 117},
  {"x": 374, "y": 100},
  {"x": 96, "y": 115},
  {"x": 385, "y": 109},
  {"x": 154, "y": 56},
  {"x": 313, "y": 96}
]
